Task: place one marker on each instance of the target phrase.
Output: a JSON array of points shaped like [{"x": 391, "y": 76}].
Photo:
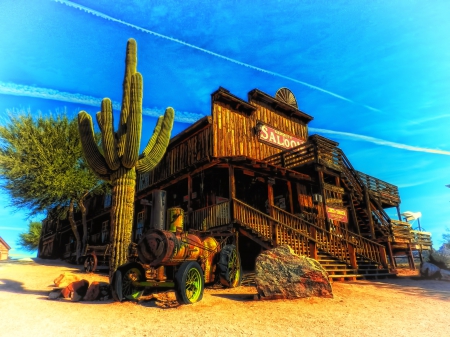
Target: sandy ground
[{"x": 392, "y": 307}]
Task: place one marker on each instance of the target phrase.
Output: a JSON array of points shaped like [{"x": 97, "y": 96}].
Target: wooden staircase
[
  {"x": 332, "y": 250},
  {"x": 373, "y": 222}
]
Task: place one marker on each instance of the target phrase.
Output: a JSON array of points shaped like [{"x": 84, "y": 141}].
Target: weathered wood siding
[
  {"x": 189, "y": 151},
  {"x": 234, "y": 133}
]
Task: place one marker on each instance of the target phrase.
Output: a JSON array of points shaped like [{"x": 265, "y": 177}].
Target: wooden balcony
[
  {"x": 404, "y": 235},
  {"x": 387, "y": 194},
  {"x": 421, "y": 240}
]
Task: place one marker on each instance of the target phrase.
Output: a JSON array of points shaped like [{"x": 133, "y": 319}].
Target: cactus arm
[
  {"x": 152, "y": 140},
  {"x": 134, "y": 123},
  {"x": 150, "y": 161},
  {"x": 90, "y": 149},
  {"x": 130, "y": 70},
  {"x": 106, "y": 123}
]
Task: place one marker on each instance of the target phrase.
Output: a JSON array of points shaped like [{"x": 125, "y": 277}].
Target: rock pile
[{"x": 71, "y": 287}]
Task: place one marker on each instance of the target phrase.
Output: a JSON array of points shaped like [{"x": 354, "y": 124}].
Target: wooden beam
[
  {"x": 354, "y": 216},
  {"x": 291, "y": 199},
  {"x": 263, "y": 244},
  {"x": 369, "y": 210}
]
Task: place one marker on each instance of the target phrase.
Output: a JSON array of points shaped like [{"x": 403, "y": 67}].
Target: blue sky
[{"x": 375, "y": 75}]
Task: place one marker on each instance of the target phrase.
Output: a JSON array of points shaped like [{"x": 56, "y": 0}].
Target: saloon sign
[
  {"x": 338, "y": 214},
  {"x": 274, "y": 137}
]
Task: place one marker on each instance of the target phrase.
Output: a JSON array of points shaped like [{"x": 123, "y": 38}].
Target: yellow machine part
[
  {"x": 210, "y": 249},
  {"x": 175, "y": 219}
]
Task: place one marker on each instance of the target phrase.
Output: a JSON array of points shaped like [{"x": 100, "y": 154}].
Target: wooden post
[
  {"x": 322, "y": 190},
  {"x": 352, "y": 255},
  {"x": 189, "y": 204},
  {"x": 291, "y": 200},
  {"x": 398, "y": 213},
  {"x": 312, "y": 244},
  {"x": 391, "y": 256},
  {"x": 411, "y": 258},
  {"x": 338, "y": 181},
  {"x": 232, "y": 190},
  {"x": 270, "y": 198},
  {"x": 383, "y": 257},
  {"x": 355, "y": 217},
  {"x": 271, "y": 212},
  {"x": 369, "y": 210}
]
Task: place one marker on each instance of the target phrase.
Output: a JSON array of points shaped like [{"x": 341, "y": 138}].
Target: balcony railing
[
  {"x": 208, "y": 217},
  {"x": 382, "y": 190}
]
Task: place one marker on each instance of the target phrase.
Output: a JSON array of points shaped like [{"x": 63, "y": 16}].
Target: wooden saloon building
[{"x": 252, "y": 167}]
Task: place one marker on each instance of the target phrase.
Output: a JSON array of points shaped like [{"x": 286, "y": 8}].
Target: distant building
[{"x": 4, "y": 249}]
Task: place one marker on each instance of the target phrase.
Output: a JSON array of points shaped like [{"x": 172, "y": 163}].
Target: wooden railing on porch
[
  {"x": 270, "y": 228},
  {"x": 327, "y": 241},
  {"x": 304, "y": 237},
  {"x": 208, "y": 217}
]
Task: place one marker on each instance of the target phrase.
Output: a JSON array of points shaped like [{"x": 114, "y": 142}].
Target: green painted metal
[
  {"x": 193, "y": 285},
  {"x": 154, "y": 284}
]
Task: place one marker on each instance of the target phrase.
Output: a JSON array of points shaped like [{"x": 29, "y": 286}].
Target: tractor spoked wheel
[
  {"x": 123, "y": 282},
  {"x": 230, "y": 268},
  {"x": 90, "y": 264},
  {"x": 189, "y": 283}
]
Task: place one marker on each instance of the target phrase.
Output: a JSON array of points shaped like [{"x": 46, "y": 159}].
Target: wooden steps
[{"x": 337, "y": 270}]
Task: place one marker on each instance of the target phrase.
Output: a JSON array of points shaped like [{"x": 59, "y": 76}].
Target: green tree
[
  {"x": 30, "y": 240},
  {"x": 42, "y": 167},
  {"x": 446, "y": 237},
  {"x": 119, "y": 160}
]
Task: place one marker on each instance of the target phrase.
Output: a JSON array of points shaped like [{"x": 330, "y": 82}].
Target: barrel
[{"x": 175, "y": 219}]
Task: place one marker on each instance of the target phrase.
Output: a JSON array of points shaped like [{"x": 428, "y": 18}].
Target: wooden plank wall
[
  {"x": 234, "y": 135},
  {"x": 193, "y": 149}
]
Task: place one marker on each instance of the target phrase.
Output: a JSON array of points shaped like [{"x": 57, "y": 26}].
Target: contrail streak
[
  {"x": 107, "y": 17},
  {"x": 52, "y": 94},
  {"x": 378, "y": 141}
]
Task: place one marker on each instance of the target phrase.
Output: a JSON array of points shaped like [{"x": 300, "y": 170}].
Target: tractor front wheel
[{"x": 189, "y": 283}]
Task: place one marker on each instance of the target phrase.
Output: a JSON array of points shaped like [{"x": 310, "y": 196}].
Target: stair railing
[
  {"x": 286, "y": 228},
  {"x": 270, "y": 228},
  {"x": 376, "y": 210},
  {"x": 327, "y": 241}
]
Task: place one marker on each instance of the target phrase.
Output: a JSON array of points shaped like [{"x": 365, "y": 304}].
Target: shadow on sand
[{"x": 413, "y": 286}]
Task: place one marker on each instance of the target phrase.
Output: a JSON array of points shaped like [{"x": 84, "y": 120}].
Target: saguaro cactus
[{"x": 119, "y": 161}]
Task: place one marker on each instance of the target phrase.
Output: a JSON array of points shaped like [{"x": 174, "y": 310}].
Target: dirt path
[{"x": 399, "y": 307}]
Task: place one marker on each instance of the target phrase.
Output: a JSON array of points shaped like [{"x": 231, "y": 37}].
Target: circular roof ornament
[{"x": 286, "y": 96}]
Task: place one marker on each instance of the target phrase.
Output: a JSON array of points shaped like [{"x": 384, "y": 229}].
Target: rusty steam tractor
[{"x": 173, "y": 258}]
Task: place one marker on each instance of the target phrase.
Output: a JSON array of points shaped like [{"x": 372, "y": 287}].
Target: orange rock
[{"x": 65, "y": 279}]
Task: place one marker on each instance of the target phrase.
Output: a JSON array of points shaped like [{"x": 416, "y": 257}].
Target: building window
[
  {"x": 140, "y": 225},
  {"x": 107, "y": 201},
  {"x": 105, "y": 231}
]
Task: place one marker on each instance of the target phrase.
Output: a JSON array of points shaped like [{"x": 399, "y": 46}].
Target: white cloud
[
  {"x": 110, "y": 18},
  {"x": 378, "y": 141},
  {"x": 52, "y": 94},
  {"x": 6, "y": 228}
]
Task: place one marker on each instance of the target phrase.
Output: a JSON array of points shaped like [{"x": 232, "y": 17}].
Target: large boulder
[
  {"x": 282, "y": 274},
  {"x": 429, "y": 270}
]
